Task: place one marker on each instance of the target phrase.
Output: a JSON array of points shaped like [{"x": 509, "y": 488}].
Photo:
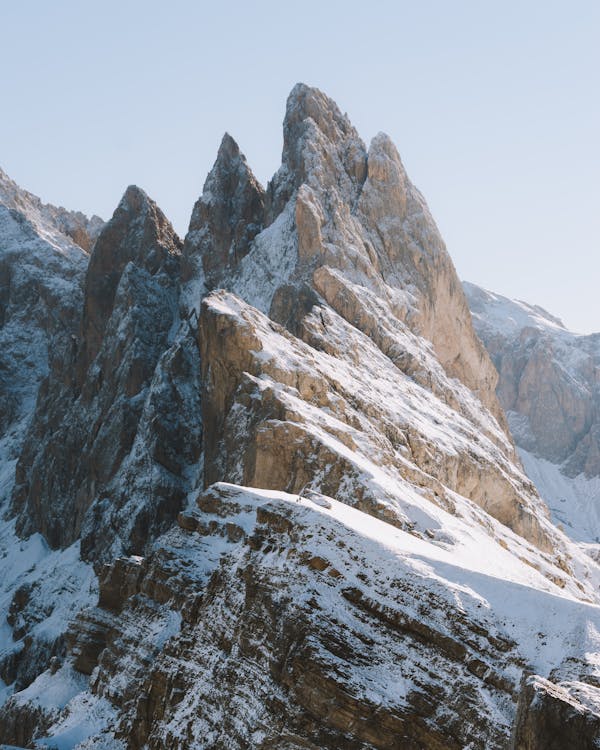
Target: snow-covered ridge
[
  {"x": 58, "y": 226},
  {"x": 506, "y": 317},
  {"x": 397, "y": 605}
]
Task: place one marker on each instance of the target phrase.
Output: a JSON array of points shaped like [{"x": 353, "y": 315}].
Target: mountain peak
[
  {"x": 134, "y": 199},
  {"x": 306, "y": 102},
  {"x": 138, "y": 232},
  {"x": 286, "y": 435},
  {"x": 320, "y": 147},
  {"x": 229, "y": 148},
  {"x": 229, "y": 168},
  {"x": 226, "y": 217}
]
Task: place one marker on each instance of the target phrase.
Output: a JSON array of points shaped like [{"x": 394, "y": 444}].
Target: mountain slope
[
  {"x": 42, "y": 272},
  {"x": 280, "y": 446},
  {"x": 549, "y": 386}
]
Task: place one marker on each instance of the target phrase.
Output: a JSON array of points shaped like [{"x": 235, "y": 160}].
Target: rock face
[
  {"x": 351, "y": 259},
  {"x": 280, "y": 447},
  {"x": 553, "y": 717},
  {"x": 105, "y": 438},
  {"x": 269, "y": 620},
  {"x": 341, "y": 217},
  {"x": 283, "y": 414},
  {"x": 225, "y": 220},
  {"x": 550, "y": 387},
  {"x": 52, "y": 223},
  {"x": 41, "y": 274},
  {"x": 549, "y": 379},
  {"x": 41, "y": 279}
]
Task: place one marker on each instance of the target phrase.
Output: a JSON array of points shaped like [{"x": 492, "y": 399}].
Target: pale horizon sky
[{"x": 494, "y": 107}]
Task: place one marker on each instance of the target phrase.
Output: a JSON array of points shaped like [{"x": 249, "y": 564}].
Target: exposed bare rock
[
  {"x": 268, "y": 620},
  {"x": 101, "y": 438},
  {"x": 225, "y": 220},
  {"x": 333, "y": 206},
  {"x": 555, "y": 717},
  {"x": 548, "y": 376},
  {"x": 281, "y": 414},
  {"x": 52, "y": 223},
  {"x": 41, "y": 274},
  {"x": 550, "y": 387},
  {"x": 138, "y": 233},
  {"x": 306, "y": 517},
  {"x": 21, "y": 723}
]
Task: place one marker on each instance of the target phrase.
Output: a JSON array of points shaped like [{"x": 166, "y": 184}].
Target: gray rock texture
[
  {"x": 104, "y": 439},
  {"x": 549, "y": 380}
]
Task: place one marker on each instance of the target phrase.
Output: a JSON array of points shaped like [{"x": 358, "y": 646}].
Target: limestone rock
[
  {"x": 555, "y": 717},
  {"x": 412, "y": 576},
  {"x": 138, "y": 233},
  {"x": 549, "y": 379},
  {"x": 309, "y": 626},
  {"x": 335, "y": 208},
  {"x": 50, "y": 222},
  {"x": 281, "y": 414},
  {"x": 550, "y": 387},
  {"x": 41, "y": 275}
]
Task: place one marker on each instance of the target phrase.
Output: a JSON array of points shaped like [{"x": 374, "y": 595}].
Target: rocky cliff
[
  {"x": 104, "y": 459},
  {"x": 274, "y": 457},
  {"x": 42, "y": 263},
  {"x": 549, "y": 385}
]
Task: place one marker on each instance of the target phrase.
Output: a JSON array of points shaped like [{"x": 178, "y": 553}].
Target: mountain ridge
[
  {"x": 276, "y": 454},
  {"x": 549, "y": 387}
]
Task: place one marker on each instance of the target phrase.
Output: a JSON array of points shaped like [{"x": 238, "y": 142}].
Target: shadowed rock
[
  {"x": 84, "y": 429},
  {"x": 225, "y": 219}
]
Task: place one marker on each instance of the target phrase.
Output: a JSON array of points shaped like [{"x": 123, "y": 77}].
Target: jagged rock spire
[
  {"x": 320, "y": 147},
  {"x": 226, "y": 218},
  {"x": 138, "y": 232},
  {"x": 129, "y": 308}
]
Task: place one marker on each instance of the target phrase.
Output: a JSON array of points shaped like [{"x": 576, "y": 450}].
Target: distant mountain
[
  {"x": 550, "y": 388},
  {"x": 261, "y": 492}
]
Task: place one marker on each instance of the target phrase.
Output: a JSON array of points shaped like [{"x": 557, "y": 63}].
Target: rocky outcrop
[
  {"x": 42, "y": 272},
  {"x": 41, "y": 275},
  {"x": 225, "y": 220},
  {"x": 337, "y": 215},
  {"x": 140, "y": 234},
  {"x": 281, "y": 414},
  {"x": 51, "y": 223},
  {"x": 549, "y": 380},
  {"x": 21, "y": 723},
  {"x": 267, "y": 618},
  {"x": 357, "y": 218},
  {"x": 550, "y": 386},
  {"x": 555, "y": 717},
  {"x": 107, "y": 434}
]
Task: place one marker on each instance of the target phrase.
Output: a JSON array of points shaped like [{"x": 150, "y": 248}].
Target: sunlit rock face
[
  {"x": 268, "y": 491},
  {"x": 550, "y": 387},
  {"x": 549, "y": 376}
]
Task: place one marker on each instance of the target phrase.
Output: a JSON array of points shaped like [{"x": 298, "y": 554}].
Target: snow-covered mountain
[
  {"x": 268, "y": 494},
  {"x": 550, "y": 388}
]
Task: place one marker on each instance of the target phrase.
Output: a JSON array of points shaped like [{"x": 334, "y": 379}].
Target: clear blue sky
[{"x": 494, "y": 106}]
